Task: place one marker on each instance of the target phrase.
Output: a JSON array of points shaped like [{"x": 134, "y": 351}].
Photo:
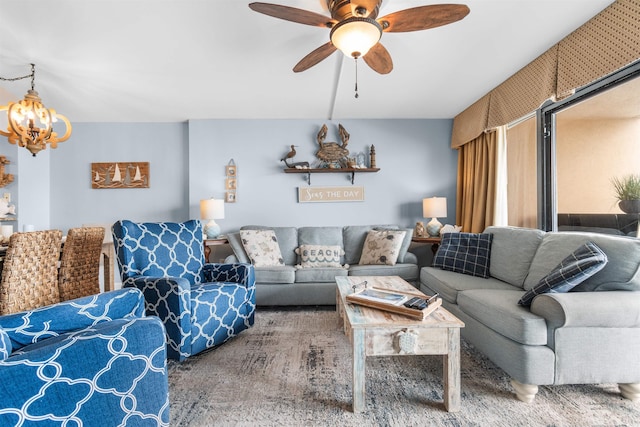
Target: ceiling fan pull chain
[{"x": 356, "y": 59}]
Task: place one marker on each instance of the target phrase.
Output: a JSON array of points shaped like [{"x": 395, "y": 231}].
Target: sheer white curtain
[{"x": 501, "y": 212}]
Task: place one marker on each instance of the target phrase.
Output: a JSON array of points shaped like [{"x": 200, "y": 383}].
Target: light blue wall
[
  {"x": 163, "y": 145},
  {"x": 187, "y": 163},
  {"x": 414, "y": 158}
]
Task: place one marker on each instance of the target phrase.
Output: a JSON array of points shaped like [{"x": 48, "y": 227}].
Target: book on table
[{"x": 394, "y": 301}]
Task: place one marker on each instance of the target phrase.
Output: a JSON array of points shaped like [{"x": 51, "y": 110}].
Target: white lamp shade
[
  {"x": 434, "y": 207},
  {"x": 212, "y": 209},
  {"x": 355, "y": 36}
]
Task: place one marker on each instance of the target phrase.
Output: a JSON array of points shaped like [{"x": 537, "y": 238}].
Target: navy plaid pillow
[
  {"x": 583, "y": 263},
  {"x": 466, "y": 253}
]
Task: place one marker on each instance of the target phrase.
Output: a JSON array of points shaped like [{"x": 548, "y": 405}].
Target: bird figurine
[
  {"x": 290, "y": 155},
  {"x": 332, "y": 152}
]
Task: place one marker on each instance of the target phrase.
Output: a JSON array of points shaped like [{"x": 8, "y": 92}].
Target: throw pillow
[
  {"x": 467, "y": 253},
  {"x": 583, "y": 263},
  {"x": 318, "y": 256},
  {"x": 381, "y": 247},
  {"x": 262, "y": 247}
]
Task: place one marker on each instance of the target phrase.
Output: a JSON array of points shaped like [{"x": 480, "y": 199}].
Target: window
[{"x": 587, "y": 140}]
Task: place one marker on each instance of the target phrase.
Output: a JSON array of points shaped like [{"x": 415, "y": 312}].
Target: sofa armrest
[
  {"x": 169, "y": 298},
  {"x": 231, "y": 259},
  {"x": 410, "y": 258},
  {"x": 78, "y": 376},
  {"x": 615, "y": 309},
  {"x": 31, "y": 326}
]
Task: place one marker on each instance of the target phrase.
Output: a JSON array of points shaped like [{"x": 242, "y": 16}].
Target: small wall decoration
[
  {"x": 231, "y": 183},
  {"x": 330, "y": 194},
  {"x": 120, "y": 175},
  {"x": 5, "y": 178}
]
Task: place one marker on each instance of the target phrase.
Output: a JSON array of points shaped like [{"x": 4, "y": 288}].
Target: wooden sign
[
  {"x": 120, "y": 175},
  {"x": 330, "y": 194}
]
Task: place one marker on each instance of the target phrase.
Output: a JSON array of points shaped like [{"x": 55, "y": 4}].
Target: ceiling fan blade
[
  {"x": 371, "y": 6},
  {"x": 314, "y": 57},
  {"x": 293, "y": 14},
  {"x": 378, "y": 59},
  {"x": 423, "y": 17}
]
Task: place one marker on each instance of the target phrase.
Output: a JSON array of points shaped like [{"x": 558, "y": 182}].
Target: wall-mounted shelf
[
  {"x": 8, "y": 219},
  {"x": 352, "y": 171}
]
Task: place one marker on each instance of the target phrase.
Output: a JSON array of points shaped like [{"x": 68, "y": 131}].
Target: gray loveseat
[
  {"x": 291, "y": 285},
  {"x": 590, "y": 335}
]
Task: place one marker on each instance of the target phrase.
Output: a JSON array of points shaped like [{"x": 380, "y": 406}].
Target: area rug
[{"x": 293, "y": 368}]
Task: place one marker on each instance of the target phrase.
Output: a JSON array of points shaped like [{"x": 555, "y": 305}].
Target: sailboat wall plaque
[{"x": 120, "y": 175}]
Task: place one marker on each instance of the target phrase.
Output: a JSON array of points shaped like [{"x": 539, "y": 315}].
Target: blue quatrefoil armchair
[
  {"x": 201, "y": 304},
  {"x": 92, "y": 361}
]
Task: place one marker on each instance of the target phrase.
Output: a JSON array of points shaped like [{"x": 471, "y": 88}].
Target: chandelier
[{"x": 30, "y": 123}]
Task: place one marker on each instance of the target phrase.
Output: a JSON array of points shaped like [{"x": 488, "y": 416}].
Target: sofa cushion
[
  {"x": 467, "y": 253},
  {"x": 448, "y": 284},
  {"x": 287, "y": 240},
  {"x": 320, "y": 236},
  {"x": 236, "y": 246},
  {"x": 262, "y": 247},
  {"x": 583, "y": 263},
  {"x": 314, "y": 256},
  {"x": 382, "y": 247},
  {"x": 279, "y": 274},
  {"x": 354, "y": 236},
  {"x": 319, "y": 275},
  {"x": 406, "y": 242},
  {"x": 499, "y": 311},
  {"x": 512, "y": 251},
  {"x": 620, "y": 273},
  {"x": 408, "y": 272}
]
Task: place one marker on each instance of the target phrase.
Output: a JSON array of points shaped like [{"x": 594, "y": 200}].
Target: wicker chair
[
  {"x": 30, "y": 271},
  {"x": 79, "y": 273}
]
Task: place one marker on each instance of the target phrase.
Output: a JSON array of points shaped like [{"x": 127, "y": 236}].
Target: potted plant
[{"x": 627, "y": 191}]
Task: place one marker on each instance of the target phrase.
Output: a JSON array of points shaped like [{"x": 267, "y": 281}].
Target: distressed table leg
[
  {"x": 452, "y": 372},
  {"x": 358, "y": 369}
]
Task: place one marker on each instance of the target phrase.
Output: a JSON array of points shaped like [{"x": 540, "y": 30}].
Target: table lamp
[
  {"x": 434, "y": 207},
  {"x": 212, "y": 209}
]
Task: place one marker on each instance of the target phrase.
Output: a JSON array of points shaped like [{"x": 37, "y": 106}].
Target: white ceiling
[{"x": 174, "y": 60}]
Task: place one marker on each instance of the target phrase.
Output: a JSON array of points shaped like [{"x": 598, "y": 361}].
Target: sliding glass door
[{"x": 585, "y": 144}]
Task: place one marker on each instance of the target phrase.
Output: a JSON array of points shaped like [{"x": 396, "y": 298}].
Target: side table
[
  {"x": 213, "y": 242},
  {"x": 434, "y": 241}
]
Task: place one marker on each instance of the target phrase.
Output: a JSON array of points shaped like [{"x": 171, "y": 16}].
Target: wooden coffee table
[{"x": 374, "y": 332}]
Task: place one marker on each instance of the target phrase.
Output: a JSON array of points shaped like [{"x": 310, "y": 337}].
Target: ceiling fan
[{"x": 356, "y": 31}]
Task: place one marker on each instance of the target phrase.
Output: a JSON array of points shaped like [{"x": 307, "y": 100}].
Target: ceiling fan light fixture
[{"x": 356, "y": 35}]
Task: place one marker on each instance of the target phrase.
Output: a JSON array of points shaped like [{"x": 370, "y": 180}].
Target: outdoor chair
[{"x": 201, "y": 304}]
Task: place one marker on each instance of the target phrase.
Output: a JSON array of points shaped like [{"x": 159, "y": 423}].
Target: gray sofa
[
  {"x": 288, "y": 285},
  {"x": 590, "y": 335}
]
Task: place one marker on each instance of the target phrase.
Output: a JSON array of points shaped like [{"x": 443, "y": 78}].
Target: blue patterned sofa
[
  {"x": 93, "y": 361},
  {"x": 201, "y": 304}
]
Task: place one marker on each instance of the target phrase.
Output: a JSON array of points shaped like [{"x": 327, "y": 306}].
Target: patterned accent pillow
[
  {"x": 583, "y": 263},
  {"x": 382, "y": 247},
  {"x": 262, "y": 247},
  {"x": 467, "y": 253},
  {"x": 318, "y": 256}
]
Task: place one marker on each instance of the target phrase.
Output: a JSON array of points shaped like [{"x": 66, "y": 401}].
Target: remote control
[{"x": 416, "y": 303}]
